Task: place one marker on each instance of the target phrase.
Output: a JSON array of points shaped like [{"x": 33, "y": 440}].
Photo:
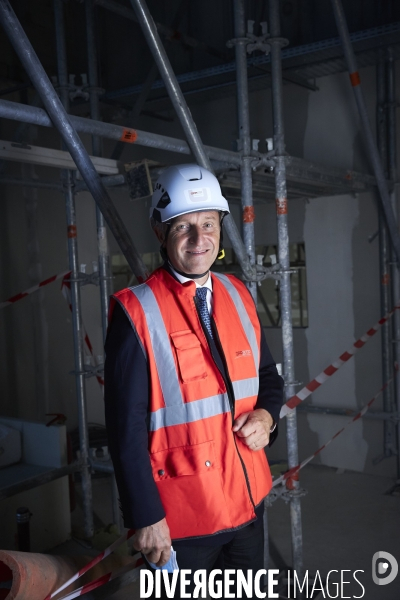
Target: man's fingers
[
  {"x": 248, "y": 429},
  {"x": 259, "y": 443},
  {"x": 256, "y": 440},
  {"x": 164, "y": 558},
  {"x": 251, "y": 439},
  {"x": 142, "y": 545},
  {"x": 158, "y": 556},
  {"x": 253, "y": 428},
  {"x": 153, "y": 555},
  {"x": 153, "y": 540},
  {"x": 254, "y": 434},
  {"x": 240, "y": 421}
]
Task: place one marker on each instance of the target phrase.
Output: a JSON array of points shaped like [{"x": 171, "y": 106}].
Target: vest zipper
[
  {"x": 229, "y": 389},
  {"x": 232, "y": 403}
]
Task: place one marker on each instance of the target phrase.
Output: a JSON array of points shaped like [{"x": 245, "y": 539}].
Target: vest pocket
[
  {"x": 189, "y": 355},
  {"x": 185, "y": 460}
]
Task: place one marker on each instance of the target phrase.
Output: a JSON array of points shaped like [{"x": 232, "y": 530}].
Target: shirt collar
[{"x": 183, "y": 279}]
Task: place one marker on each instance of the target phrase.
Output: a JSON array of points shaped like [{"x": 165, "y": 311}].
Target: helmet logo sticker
[{"x": 197, "y": 195}]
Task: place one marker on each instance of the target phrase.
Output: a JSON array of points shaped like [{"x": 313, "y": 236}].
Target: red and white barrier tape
[
  {"x": 121, "y": 540},
  {"x": 66, "y": 292},
  {"x": 292, "y": 473},
  {"x": 335, "y": 366},
  {"x": 88, "y": 587},
  {"x": 33, "y": 289}
]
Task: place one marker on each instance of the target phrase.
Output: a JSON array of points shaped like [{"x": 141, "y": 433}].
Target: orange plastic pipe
[{"x": 34, "y": 576}]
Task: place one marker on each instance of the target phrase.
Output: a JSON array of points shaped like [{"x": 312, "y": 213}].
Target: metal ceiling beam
[{"x": 292, "y": 57}]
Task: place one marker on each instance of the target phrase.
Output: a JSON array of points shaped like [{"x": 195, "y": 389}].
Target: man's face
[{"x": 193, "y": 241}]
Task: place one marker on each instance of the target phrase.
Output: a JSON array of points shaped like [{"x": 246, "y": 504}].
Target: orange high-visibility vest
[{"x": 209, "y": 481}]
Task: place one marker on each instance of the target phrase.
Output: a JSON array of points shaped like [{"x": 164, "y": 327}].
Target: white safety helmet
[{"x": 183, "y": 189}]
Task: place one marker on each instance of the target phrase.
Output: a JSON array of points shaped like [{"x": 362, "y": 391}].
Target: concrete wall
[{"x": 342, "y": 268}]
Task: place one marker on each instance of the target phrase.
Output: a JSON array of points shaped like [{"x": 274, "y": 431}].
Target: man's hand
[
  {"x": 154, "y": 542},
  {"x": 254, "y": 428}
]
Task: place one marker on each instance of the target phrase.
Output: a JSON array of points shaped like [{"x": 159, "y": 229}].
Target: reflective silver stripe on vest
[
  {"x": 189, "y": 412},
  {"x": 176, "y": 411},
  {"x": 243, "y": 315},
  {"x": 161, "y": 345},
  {"x": 244, "y": 388}
]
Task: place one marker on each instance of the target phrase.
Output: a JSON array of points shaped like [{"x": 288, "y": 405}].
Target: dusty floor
[{"x": 347, "y": 517}]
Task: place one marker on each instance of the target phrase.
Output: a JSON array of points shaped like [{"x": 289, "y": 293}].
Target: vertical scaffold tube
[
  {"x": 384, "y": 262},
  {"x": 285, "y": 292},
  {"x": 248, "y": 215},
  {"x": 366, "y": 126},
  {"x": 186, "y": 120},
  {"x": 102, "y": 242},
  {"x": 392, "y": 163},
  {"x": 244, "y": 135},
  {"x": 75, "y": 288}
]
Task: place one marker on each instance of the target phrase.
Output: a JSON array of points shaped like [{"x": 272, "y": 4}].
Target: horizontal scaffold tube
[{"x": 38, "y": 116}]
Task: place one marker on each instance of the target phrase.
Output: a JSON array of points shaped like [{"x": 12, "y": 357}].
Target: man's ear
[{"x": 160, "y": 234}]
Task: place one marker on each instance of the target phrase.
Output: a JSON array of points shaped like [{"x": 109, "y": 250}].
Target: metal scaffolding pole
[
  {"x": 241, "y": 42},
  {"x": 276, "y": 42},
  {"x": 384, "y": 263},
  {"x": 60, "y": 119},
  {"x": 102, "y": 242},
  {"x": 189, "y": 127},
  {"x": 75, "y": 286},
  {"x": 148, "y": 84},
  {"x": 38, "y": 116},
  {"x": 94, "y": 90},
  {"x": 366, "y": 127},
  {"x": 164, "y": 66},
  {"x": 392, "y": 164}
]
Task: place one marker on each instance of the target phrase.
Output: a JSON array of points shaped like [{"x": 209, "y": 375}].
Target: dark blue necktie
[{"x": 201, "y": 295}]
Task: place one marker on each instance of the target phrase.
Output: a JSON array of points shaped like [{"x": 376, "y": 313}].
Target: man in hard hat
[{"x": 192, "y": 393}]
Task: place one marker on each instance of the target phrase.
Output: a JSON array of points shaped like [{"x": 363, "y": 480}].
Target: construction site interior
[{"x": 268, "y": 102}]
